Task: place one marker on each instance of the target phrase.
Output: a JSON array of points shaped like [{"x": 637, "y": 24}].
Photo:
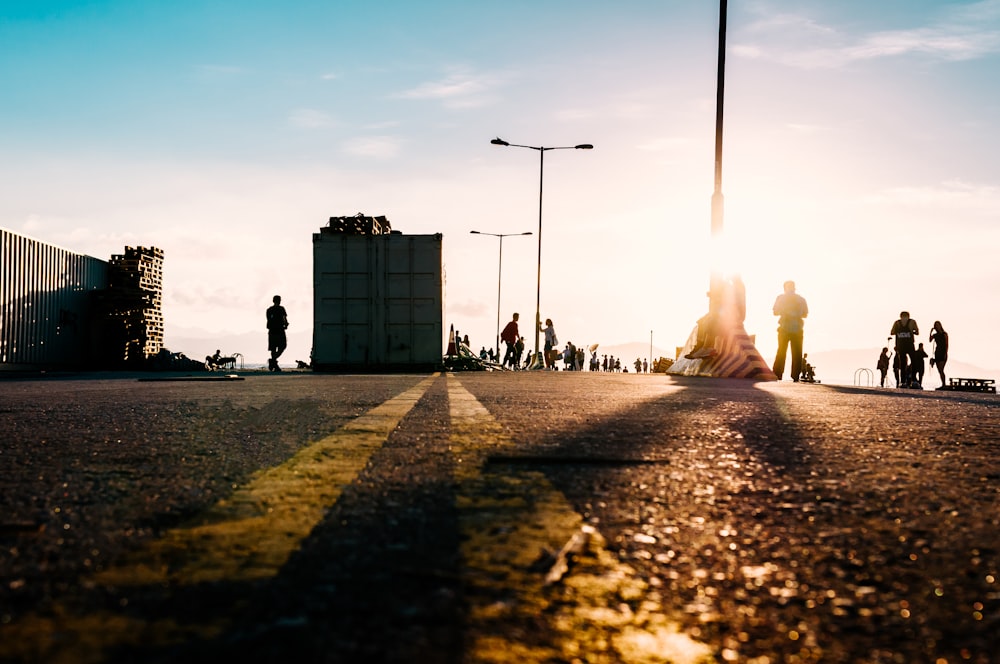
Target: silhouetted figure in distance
[
  {"x": 919, "y": 355},
  {"x": 883, "y": 365},
  {"x": 905, "y": 330},
  {"x": 791, "y": 309},
  {"x": 551, "y": 341},
  {"x": 940, "y": 359},
  {"x": 277, "y": 323},
  {"x": 509, "y": 336}
]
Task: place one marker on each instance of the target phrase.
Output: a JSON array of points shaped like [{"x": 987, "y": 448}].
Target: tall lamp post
[
  {"x": 541, "y": 179},
  {"x": 718, "y": 204},
  {"x": 499, "y": 273}
]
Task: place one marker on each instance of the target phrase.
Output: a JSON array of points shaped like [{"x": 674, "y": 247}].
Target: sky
[{"x": 859, "y": 160}]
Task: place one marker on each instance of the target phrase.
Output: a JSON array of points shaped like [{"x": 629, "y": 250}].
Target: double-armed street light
[
  {"x": 541, "y": 179},
  {"x": 499, "y": 274}
]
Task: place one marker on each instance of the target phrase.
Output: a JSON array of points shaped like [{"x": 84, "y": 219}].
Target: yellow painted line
[
  {"x": 514, "y": 522},
  {"x": 249, "y": 535}
]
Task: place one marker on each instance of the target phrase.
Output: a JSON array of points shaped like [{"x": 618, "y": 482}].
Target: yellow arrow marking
[{"x": 509, "y": 518}]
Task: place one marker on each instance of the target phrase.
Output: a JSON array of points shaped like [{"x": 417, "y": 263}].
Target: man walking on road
[
  {"x": 510, "y": 336},
  {"x": 791, "y": 309}
]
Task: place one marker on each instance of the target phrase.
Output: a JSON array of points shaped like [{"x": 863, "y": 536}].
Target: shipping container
[{"x": 377, "y": 302}]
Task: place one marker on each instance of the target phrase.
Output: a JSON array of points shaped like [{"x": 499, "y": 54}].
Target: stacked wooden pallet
[
  {"x": 359, "y": 224},
  {"x": 134, "y": 301}
]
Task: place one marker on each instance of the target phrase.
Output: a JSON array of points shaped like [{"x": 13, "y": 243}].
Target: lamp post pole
[
  {"x": 499, "y": 274},
  {"x": 541, "y": 180},
  {"x": 718, "y": 204}
]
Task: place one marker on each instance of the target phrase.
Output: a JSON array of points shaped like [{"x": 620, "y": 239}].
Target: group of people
[
  {"x": 514, "y": 343},
  {"x": 908, "y": 360},
  {"x": 572, "y": 356}
]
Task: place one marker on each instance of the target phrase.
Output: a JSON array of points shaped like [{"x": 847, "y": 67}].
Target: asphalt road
[{"x": 488, "y": 517}]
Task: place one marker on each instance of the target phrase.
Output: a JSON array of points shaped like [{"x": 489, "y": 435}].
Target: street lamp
[
  {"x": 499, "y": 273},
  {"x": 541, "y": 179}
]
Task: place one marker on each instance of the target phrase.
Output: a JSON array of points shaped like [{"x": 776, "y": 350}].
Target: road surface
[{"x": 496, "y": 517}]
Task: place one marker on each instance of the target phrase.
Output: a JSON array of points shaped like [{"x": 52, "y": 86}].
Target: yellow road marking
[
  {"x": 248, "y": 536},
  {"x": 601, "y": 611}
]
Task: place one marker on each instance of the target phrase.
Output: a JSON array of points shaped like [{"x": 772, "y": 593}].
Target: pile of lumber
[{"x": 359, "y": 224}]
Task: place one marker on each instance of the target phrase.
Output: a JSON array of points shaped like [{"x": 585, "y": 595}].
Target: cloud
[
  {"x": 469, "y": 309},
  {"x": 378, "y": 147},
  {"x": 460, "y": 89},
  {"x": 309, "y": 118},
  {"x": 946, "y": 197},
  {"x": 798, "y": 41}
]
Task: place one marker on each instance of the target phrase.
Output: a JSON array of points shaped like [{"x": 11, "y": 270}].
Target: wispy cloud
[
  {"x": 798, "y": 41},
  {"x": 310, "y": 118},
  {"x": 377, "y": 147},
  {"x": 949, "y": 196},
  {"x": 459, "y": 89}
]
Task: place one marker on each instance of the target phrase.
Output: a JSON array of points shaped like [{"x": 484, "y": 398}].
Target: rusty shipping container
[
  {"x": 377, "y": 302},
  {"x": 45, "y": 302}
]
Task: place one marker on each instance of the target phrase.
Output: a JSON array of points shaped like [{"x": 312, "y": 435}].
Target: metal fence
[{"x": 44, "y": 302}]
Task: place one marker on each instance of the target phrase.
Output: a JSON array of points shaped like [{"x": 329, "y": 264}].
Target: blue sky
[{"x": 860, "y": 154}]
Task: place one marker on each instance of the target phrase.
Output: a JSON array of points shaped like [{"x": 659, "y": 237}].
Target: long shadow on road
[
  {"x": 376, "y": 581},
  {"x": 768, "y": 538}
]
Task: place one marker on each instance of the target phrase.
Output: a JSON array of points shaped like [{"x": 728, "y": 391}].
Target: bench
[{"x": 971, "y": 385}]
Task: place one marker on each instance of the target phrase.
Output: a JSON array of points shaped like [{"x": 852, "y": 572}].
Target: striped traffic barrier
[{"x": 735, "y": 357}]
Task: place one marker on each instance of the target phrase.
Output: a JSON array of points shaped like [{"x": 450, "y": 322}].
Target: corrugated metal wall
[{"x": 44, "y": 317}]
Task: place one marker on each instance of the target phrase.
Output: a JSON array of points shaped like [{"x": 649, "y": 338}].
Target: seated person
[{"x": 216, "y": 361}]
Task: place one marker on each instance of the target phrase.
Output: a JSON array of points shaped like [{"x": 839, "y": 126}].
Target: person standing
[
  {"x": 905, "y": 330},
  {"x": 550, "y": 343},
  {"x": 791, "y": 309},
  {"x": 518, "y": 352},
  {"x": 883, "y": 365},
  {"x": 277, "y": 323},
  {"x": 940, "y": 339},
  {"x": 510, "y": 336},
  {"x": 919, "y": 355}
]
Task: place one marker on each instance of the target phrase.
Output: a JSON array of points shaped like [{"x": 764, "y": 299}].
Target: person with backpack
[{"x": 905, "y": 330}]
